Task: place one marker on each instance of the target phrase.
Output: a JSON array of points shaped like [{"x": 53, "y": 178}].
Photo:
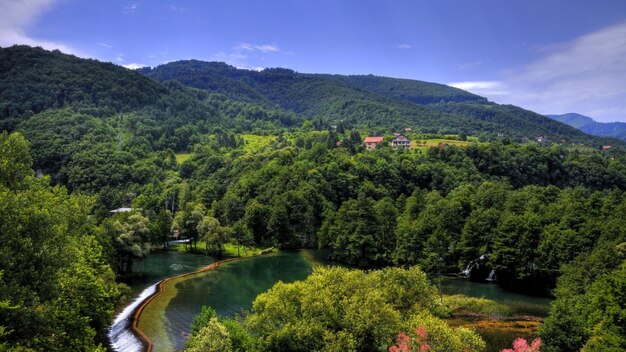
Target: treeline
[
  {"x": 319, "y": 188},
  {"x": 527, "y": 209}
]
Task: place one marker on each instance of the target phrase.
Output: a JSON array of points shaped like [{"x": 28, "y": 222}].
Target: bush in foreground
[{"x": 339, "y": 309}]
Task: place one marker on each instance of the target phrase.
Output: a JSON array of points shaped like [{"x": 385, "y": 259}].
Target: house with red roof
[{"x": 372, "y": 142}]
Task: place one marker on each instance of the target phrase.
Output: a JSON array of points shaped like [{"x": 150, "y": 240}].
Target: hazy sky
[{"x": 548, "y": 56}]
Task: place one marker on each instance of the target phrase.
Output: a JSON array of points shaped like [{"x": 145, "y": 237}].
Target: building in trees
[
  {"x": 401, "y": 142},
  {"x": 372, "y": 142}
]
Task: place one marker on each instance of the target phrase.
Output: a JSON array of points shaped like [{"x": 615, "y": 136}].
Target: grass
[
  {"x": 499, "y": 334},
  {"x": 462, "y": 303},
  {"x": 254, "y": 143},
  {"x": 181, "y": 157},
  {"x": 417, "y": 143},
  {"x": 230, "y": 250},
  {"x": 498, "y": 324}
]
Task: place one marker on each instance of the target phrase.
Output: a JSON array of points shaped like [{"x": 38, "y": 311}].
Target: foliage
[
  {"x": 57, "y": 291},
  {"x": 588, "y": 312},
  {"x": 275, "y": 158},
  {"x": 202, "y": 319},
  {"x": 228, "y": 333},
  {"x": 340, "y": 304},
  {"x": 130, "y": 239},
  {"x": 338, "y": 309},
  {"x": 213, "y": 337}
]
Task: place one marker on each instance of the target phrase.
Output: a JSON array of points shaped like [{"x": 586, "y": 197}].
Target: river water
[
  {"x": 148, "y": 273},
  {"x": 233, "y": 286}
]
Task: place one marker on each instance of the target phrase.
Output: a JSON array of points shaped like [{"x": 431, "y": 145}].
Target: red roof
[{"x": 373, "y": 139}]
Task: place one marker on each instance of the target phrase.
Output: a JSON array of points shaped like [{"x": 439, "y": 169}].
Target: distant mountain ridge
[
  {"x": 170, "y": 103},
  {"x": 369, "y": 101},
  {"x": 589, "y": 125}
]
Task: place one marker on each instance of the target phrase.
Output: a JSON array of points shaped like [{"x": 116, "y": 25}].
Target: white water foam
[{"x": 121, "y": 337}]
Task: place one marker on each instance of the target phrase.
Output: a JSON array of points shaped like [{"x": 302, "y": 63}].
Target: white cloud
[
  {"x": 130, "y": 9},
  {"x": 404, "y": 46},
  {"x": 134, "y": 66},
  {"x": 17, "y": 15},
  {"x": 491, "y": 89},
  {"x": 585, "y": 75},
  {"x": 237, "y": 59},
  {"x": 476, "y": 85},
  {"x": 105, "y": 45},
  {"x": 264, "y": 48},
  {"x": 242, "y": 53},
  {"x": 268, "y": 48},
  {"x": 471, "y": 64}
]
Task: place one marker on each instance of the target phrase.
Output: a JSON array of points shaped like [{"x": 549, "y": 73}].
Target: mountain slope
[
  {"x": 589, "y": 125},
  {"x": 378, "y": 103},
  {"x": 33, "y": 80},
  {"x": 168, "y": 113}
]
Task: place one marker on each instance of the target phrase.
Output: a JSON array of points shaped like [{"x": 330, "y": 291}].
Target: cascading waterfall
[
  {"x": 492, "y": 276},
  {"x": 472, "y": 265},
  {"x": 468, "y": 269},
  {"x": 121, "y": 336}
]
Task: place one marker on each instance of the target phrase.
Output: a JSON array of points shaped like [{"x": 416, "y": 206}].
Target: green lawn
[{"x": 230, "y": 250}]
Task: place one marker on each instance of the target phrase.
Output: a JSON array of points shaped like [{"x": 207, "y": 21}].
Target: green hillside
[{"x": 370, "y": 102}]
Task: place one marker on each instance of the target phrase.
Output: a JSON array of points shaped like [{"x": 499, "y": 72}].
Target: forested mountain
[
  {"x": 589, "y": 125},
  {"x": 369, "y": 101},
  {"x": 33, "y": 80}
]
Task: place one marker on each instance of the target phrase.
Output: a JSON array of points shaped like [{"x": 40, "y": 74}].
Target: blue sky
[{"x": 548, "y": 56}]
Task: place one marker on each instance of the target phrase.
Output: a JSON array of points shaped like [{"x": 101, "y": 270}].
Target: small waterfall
[
  {"x": 468, "y": 270},
  {"x": 471, "y": 266},
  {"x": 121, "y": 336},
  {"x": 492, "y": 276}
]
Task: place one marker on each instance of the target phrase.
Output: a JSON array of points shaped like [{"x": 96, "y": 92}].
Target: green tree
[
  {"x": 131, "y": 238},
  {"x": 213, "y": 234},
  {"x": 213, "y": 337}
]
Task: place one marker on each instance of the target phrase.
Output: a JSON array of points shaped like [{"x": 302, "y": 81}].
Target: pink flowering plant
[
  {"x": 405, "y": 343},
  {"x": 521, "y": 345}
]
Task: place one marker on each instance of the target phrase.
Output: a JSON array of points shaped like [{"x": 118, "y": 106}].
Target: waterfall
[
  {"x": 492, "y": 276},
  {"x": 473, "y": 264},
  {"x": 121, "y": 336},
  {"x": 468, "y": 270}
]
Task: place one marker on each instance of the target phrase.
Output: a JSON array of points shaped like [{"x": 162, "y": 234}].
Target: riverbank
[
  {"x": 498, "y": 316},
  {"x": 498, "y": 333}
]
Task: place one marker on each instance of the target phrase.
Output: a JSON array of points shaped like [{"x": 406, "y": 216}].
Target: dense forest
[{"x": 216, "y": 154}]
